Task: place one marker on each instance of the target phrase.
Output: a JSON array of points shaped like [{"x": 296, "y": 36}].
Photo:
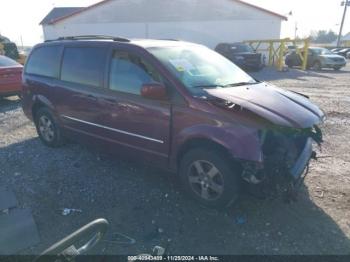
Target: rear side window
[
  {"x": 44, "y": 61},
  {"x": 83, "y": 65}
]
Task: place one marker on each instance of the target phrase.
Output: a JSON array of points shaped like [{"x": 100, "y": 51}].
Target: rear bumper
[
  {"x": 8, "y": 89},
  {"x": 10, "y": 93},
  {"x": 250, "y": 65}
]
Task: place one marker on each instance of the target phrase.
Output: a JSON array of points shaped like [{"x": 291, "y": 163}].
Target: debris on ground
[
  {"x": 68, "y": 211},
  {"x": 240, "y": 220}
]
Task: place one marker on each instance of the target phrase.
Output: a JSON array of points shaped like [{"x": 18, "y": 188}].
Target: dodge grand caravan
[{"x": 176, "y": 105}]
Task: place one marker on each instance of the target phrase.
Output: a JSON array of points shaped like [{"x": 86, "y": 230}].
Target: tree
[{"x": 324, "y": 37}]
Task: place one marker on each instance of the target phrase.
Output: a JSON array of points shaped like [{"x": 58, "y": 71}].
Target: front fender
[{"x": 241, "y": 142}]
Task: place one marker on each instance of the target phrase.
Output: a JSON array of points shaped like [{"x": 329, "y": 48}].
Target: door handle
[
  {"x": 110, "y": 101},
  {"x": 91, "y": 97}
]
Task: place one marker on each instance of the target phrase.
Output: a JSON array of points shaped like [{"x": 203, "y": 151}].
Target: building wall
[
  {"x": 214, "y": 33},
  {"x": 203, "y": 21}
]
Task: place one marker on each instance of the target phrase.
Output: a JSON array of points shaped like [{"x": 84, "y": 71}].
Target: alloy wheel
[
  {"x": 46, "y": 128},
  {"x": 206, "y": 180}
]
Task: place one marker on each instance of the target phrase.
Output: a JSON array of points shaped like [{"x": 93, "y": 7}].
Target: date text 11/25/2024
[{"x": 172, "y": 258}]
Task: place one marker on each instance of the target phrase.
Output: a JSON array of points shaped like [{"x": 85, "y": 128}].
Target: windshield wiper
[
  {"x": 227, "y": 85},
  {"x": 241, "y": 84},
  {"x": 208, "y": 86}
]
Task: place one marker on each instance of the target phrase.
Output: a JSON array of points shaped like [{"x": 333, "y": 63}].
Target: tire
[
  {"x": 337, "y": 68},
  {"x": 47, "y": 128},
  {"x": 209, "y": 178},
  {"x": 317, "y": 66},
  {"x": 289, "y": 63}
]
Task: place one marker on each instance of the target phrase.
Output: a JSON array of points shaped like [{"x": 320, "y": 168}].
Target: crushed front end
[{"x": 286, "y": 156}]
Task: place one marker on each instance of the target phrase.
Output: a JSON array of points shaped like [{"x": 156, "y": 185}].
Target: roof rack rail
[
  {"x": 91, "y": 37},
  {"x": 169, "y": 39}
]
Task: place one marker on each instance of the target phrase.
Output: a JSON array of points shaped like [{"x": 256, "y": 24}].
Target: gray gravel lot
[{"x": 149, "y": 206}]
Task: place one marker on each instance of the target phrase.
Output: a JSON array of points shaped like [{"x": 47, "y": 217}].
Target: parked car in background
[
  {"x": 343, "y": 52},
  {"x": 242, "y": 55},
  {"x": 176, "y": 105},
  {"x": 334, "y": 50},
  {"x": 318, "y": 58},
  {"x": 10, "y": 77}
]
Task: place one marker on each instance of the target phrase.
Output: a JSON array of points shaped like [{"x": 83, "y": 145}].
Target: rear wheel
[
  {"x": 317, "y": 66},
  {"x": 208, "y": 177},
  {"x": 289, "y": 63},
  {"x": 48, "y": 129}
]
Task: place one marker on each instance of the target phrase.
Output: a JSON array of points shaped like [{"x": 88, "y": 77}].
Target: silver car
[{"x": 318, "y": 58}]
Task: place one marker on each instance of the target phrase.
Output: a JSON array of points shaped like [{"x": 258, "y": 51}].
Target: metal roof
[
  {"x": 83, "y": 9},
  {"x": 59, "y": 12}
]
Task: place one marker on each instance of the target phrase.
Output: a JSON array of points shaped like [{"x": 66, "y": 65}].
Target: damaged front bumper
[
  {"x": 303, "y": 161},
  {"x": 286, "y": 162}
]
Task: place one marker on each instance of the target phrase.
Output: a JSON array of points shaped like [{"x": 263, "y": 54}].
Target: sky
[{"x": 19, "y": 19}]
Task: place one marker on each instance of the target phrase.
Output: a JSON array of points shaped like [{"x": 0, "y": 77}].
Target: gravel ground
[{"x": 149, "y": 206}]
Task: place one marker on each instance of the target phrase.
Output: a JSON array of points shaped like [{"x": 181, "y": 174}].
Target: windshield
[
  {"x": 198, "y": 67},
  {"x": 321, "y": 51},
  {"x": 5, "y": 61}
]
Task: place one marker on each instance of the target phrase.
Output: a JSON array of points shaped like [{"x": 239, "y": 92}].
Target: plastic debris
[
  {"x": 158, "y": 251},
  {"x": 240, "y": 220},
  {"x": 68, "y": 211}
]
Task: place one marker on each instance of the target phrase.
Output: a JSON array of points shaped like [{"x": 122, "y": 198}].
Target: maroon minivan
[{"x": 176, "y": 105}]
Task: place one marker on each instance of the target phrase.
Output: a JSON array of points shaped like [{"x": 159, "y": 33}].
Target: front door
[{"x": 140, "y": 125}]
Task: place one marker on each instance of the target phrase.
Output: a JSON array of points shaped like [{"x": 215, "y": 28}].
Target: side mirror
[{"x": 155, "y": 91}]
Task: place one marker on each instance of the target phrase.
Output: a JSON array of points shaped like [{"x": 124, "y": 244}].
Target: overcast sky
[{"x": 20, "y": 18}]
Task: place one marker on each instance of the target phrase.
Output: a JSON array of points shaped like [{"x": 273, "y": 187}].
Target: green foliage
[
  {"x": 323, "y": 36},
  {"x": 9, "y": 47}
]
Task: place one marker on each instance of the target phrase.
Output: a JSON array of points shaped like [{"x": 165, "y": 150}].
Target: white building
[{"x": 203, "y": 21}]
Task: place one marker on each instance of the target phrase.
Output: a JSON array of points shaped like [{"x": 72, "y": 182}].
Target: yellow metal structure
[
  {"x": 21, "y": 59},
  {"x": 277, "y": 48},
  {"x": 2, "y": 52}
]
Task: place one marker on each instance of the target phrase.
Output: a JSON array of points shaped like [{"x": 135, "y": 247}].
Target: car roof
[
  {"x": 143, "y": 43},
  {"x": 147, "y": 43}
]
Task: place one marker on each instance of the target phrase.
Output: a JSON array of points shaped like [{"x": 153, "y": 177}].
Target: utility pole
[
  {"x": 22, "y": 42},
  {"x": 345, "y": 3}
]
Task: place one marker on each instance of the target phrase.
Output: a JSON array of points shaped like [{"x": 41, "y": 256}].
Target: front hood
[{"x": 278, "y": 106}]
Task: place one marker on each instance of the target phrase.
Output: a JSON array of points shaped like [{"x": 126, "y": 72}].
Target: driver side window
[{"x": 129, "y": 72}]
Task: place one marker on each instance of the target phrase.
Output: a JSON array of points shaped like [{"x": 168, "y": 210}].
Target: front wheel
[
  {"x": 48, "y": 129},
  {"x": 208, "y": 177},
  {"x": 337, "y": 68}
]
